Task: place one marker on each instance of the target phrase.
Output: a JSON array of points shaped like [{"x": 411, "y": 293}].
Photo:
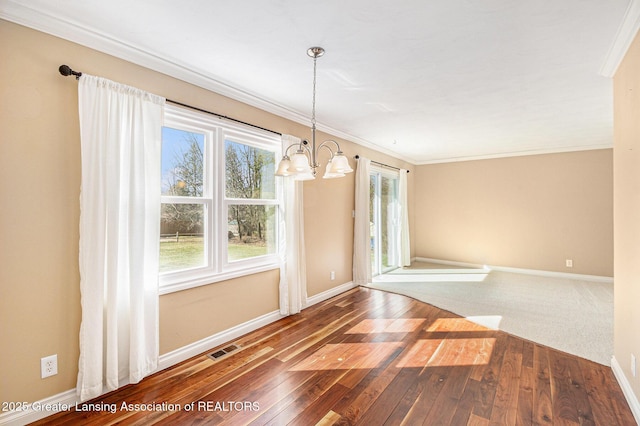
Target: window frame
[
  {"x": 217, "y": 265},
  {"x": 378, "y": 173}
]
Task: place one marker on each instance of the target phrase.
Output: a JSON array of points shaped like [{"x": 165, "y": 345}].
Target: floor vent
[{"x": 224, "y": 351}]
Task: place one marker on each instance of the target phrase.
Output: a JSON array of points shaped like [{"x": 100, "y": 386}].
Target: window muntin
[{"x": 230, "y": 173}]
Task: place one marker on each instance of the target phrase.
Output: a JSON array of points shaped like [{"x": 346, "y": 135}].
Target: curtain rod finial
[{"x": 66, "y": 71}]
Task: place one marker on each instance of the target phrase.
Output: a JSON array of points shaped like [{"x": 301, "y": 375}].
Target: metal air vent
[{"x": 224, "y": 351}]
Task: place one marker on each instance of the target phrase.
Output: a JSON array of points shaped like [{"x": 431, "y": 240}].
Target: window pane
[
  {"x": 250, "y": 171},
  {"x": 388, "y": 222},
  {"x": 182, "y": 160},
  {"x": 373, "y": 191},
  {"x": 182, "y": 243},
  {"x": 252, "y": 231}
]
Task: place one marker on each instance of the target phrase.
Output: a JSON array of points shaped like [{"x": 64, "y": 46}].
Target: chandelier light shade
[{"x": 303, "y": 165}]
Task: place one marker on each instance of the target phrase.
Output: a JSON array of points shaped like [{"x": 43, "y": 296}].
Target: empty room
[{"x": 272, "y": 212}]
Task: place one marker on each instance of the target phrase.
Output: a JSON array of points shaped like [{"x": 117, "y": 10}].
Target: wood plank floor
[{"x": 367, "y": 357}]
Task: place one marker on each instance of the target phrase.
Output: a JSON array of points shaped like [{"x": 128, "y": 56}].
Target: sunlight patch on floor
[
  {"x": 463, "y": 324},
  {"x": 489, "y": 321},
  {"x": 431, "y": 277},
  {"x": 383, "y": 325},
  {"x": 423, "y": 353},
  {"x": 347, "y": 356},
  {"x": 448, "y": 352}
]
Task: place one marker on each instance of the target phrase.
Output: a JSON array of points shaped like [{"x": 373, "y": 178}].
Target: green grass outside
[{"x": 188, "y": 252}]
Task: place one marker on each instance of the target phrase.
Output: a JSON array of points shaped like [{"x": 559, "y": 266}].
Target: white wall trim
[
  {"x": 553, "y": 274},
  {"x": 196, "y": 348},
  {"x": 634, "y": 404},
  {"x": 78, "y": 33},
  {"x": 328, "y": 294},
  {"x": 447, "y": 262},
  {"x": 167, "y": 360},
  {"x": 69, "y": 398},
  {"x": 515, "y": 154},
  {"x": 550, "y": 274},
  {"x": 37, "y": 410},
  {"x": 624, "y": 37}
]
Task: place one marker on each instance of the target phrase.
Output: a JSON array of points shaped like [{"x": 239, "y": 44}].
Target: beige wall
[
  {"x": 40, "y": 175},
  {"x": 626, "y": 194},
  {"x": 531, "y": 212}
]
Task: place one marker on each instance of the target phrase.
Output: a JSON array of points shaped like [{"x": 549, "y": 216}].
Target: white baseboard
[
  {"x": 550, "y": 274},
  {"x": 167, "y": 360},
  {"x": 328, "y": 294},
  {"x": 634, "y": 404},
  {"x": 553, "y": 274},
  {"x": 447, "y": 262},
  {"x": 174, "y": 357},
  {"x": 196, "y": 348},
  {"x": 69, "y": 398},
  {"x": 40, "y": 409}
]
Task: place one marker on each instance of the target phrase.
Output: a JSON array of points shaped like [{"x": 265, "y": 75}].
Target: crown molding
[
  {"x": 88, "y": 37},
  {"x": 78, "y": 33},
  {"x": 624, "y": 37},
  {"x": 516, "y": 154}
]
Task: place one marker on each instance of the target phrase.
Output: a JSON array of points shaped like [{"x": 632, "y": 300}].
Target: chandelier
[{"x": 304, "y": 163}]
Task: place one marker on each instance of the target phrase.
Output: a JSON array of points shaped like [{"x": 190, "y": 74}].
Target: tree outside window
[
  {"x": 182, "y": 223},
  {"x": 249, "y": 186}
]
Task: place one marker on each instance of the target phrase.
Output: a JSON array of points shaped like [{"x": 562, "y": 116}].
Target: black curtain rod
[
  {"x": 381, "y": 164},
  {"x": 224, "y": 117},
  {"x": 66, "y": 71}
]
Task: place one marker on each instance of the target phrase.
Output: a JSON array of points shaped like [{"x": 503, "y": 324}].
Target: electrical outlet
[
  {"x": 569, "y": 263},
  {"x": 49, "y": 366},
  {"x": 633, "y": 365},
  {"x": 333, "y": 275}
]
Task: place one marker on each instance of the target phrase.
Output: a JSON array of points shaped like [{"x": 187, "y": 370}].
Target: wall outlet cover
[{"x": 49, "y": 366}]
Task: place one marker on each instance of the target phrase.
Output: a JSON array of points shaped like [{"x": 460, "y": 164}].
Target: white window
[
  {"x": 384, "y": 218},
  {"x": 219, "y": 200}
]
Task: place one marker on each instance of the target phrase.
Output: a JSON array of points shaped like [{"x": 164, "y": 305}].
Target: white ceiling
[{"x": 426, "y": 80}]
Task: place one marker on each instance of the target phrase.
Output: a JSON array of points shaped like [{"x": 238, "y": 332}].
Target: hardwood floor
[{"x": 368, "y": 357}]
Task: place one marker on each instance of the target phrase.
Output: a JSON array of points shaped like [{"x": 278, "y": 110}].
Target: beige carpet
[{"x": 574, "y": 316}]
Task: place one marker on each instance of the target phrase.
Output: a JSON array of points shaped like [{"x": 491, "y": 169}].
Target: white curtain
[
  {"x": 404, "y": 258},
  {"x": 120, "y": 130},
  {"x": 361, "y": 227},
  {"x": 293, "y": 272}
]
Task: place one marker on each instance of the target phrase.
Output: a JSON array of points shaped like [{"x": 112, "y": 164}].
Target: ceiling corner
[{"x": 626, "y": 33}]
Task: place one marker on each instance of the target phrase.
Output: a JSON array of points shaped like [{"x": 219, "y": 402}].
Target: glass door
[{"x": 384, "y": 220}]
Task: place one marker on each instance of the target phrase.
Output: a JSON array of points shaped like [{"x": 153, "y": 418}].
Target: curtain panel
[
  {"x": 361, "y": 230},
  {"x": 121, "y": 131},
  {"x": 404, "y": 257},
  {"x": 293, "y": 272}
]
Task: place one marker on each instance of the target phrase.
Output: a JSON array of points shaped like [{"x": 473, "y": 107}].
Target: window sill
[{"x": 168, "y": 286}]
